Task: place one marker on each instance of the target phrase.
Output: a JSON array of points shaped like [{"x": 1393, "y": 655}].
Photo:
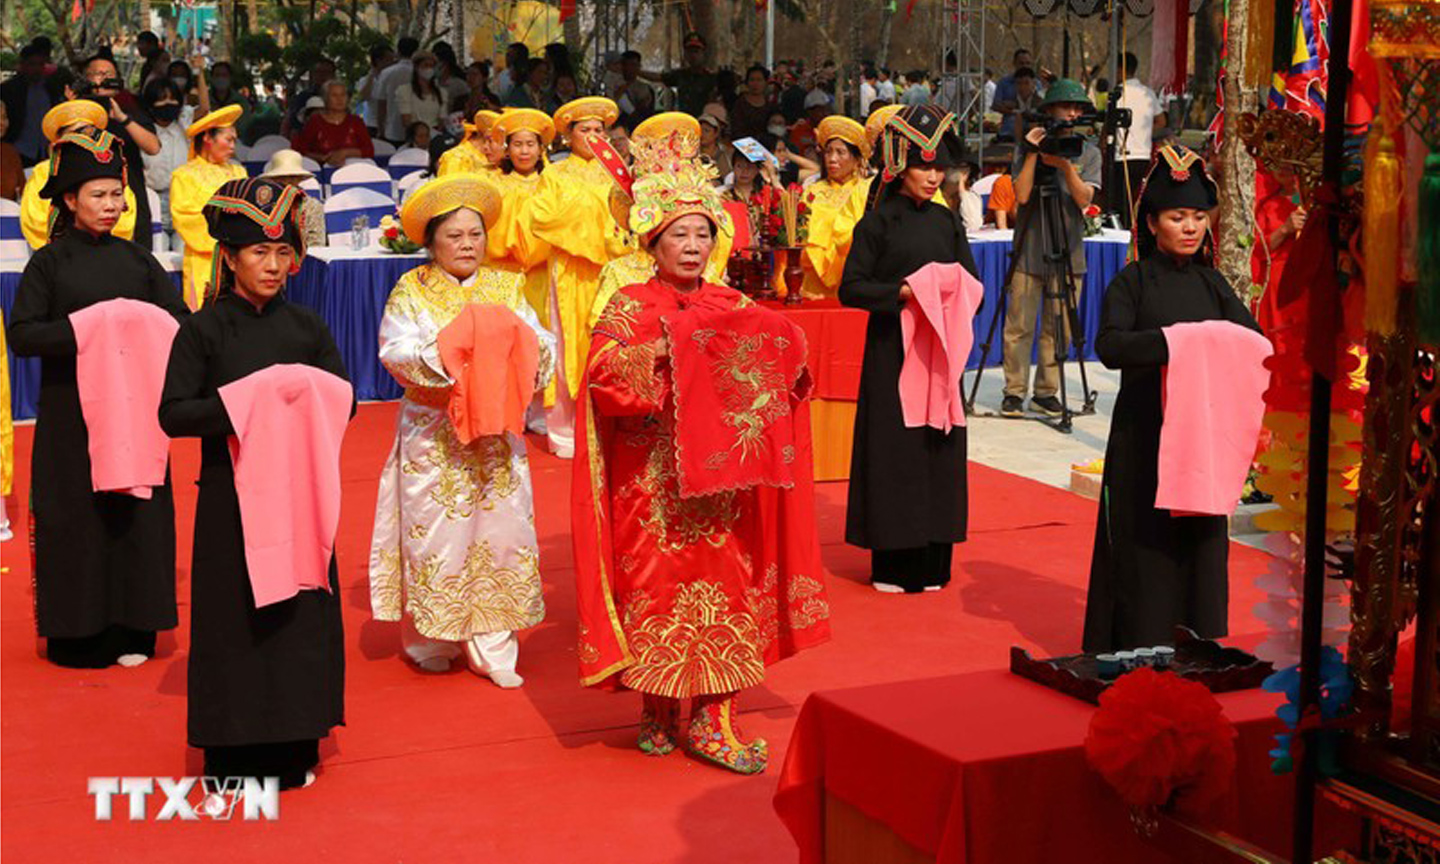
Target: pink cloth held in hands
[
  {"x": 936, "y": 336},
  {"x": 123, "y": 347},
  {"x": 289, "y": 422},
  {"x": 1211, "y": 428},
  {"x": 493, "y": 356}
]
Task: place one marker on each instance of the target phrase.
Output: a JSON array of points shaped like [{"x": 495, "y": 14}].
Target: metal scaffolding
[{"x": 960, "y": 63}]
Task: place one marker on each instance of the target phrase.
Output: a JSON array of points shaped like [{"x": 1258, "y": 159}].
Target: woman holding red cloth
[{"x": 685, "y": 595}]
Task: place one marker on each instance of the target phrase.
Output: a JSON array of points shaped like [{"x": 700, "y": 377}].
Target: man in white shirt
[
  {"x": 885, "y": 88},
  {"x": 391, "y": 127},
  {"x": 868, "y": 92},
  {"x": 1133, "y": 160},
  {"x": 367, "y": 92}
]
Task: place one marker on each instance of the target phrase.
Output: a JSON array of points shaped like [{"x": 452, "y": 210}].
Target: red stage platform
[{"x": 441, "y": 768}]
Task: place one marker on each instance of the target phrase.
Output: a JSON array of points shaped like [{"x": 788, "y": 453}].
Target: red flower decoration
[
  {"x": 1158, "y": 739},
  {"x": 392, "y": 233},
  {"x": 1092, "y": 210}
]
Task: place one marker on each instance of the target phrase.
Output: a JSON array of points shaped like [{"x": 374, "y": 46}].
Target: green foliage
[{"x": 310, "y": 40}]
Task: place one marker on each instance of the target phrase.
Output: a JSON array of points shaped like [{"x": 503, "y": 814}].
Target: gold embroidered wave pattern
[
  {"x": 700, "y": 647},
  {"x": 479, "y": 598}
]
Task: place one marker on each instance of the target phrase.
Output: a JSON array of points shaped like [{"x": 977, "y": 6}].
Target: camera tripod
[{"x": 1057, "y": 299}]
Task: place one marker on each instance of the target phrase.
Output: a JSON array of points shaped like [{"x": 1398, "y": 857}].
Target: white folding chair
[
  {"x": 159, "y": 241},
  {"x": 257, "y": 156},
  {"x": 383, "y": 151},
  {"x": 985, "y": 184},
  {"x": 313, "y": 188},
  {"x": 341, "y": 210},
  {"x": 310, "y": 165},
  {"x": 13, "y": 248},
  {"x": 409, "y": 183},
  {"x": 362, "y": 176},
  {"x": 407, "y": 160}
]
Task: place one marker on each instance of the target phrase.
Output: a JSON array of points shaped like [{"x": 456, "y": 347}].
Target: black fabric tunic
[
  {"x": 101, "y": 559},
  {"x": 907, "y": 486},
  {"x": 1151, "y": 571},
  {"x": 256, "y": 676}
]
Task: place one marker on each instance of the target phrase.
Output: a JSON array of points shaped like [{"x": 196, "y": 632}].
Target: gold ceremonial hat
[
  {"x": 514, "y": 120},
  {"x": 586, "y": 108},
  {"x": 446, "y": 195},
  {"x": 878, "y": 118},
  {"x": 680, "y": 128},
  {"x": 215, "y": 120},
  {"x": 484, "y": 122},
  {"x": 847, "y": 130},
  {"x": 72, "y": 112}
]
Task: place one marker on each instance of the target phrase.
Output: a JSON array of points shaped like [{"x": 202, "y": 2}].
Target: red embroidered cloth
[{"x": 739, "y": 367}]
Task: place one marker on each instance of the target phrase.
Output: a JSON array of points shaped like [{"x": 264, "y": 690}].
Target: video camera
[
  {"x": 1063, "y": 138},
  {"x": 85, "y": 87}
]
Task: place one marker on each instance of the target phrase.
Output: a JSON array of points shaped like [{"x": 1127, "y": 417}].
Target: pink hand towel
[
  {"x": 1211, "y": 428},
  {"x": 123, "y": 347},
  {"x": 493, "y": 356},
  {"x": 289, "y": 423},
  {"x": 936, "y": 335}
]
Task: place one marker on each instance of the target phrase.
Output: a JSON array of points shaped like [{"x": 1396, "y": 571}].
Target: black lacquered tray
[{"x": 1219, "y": 668}]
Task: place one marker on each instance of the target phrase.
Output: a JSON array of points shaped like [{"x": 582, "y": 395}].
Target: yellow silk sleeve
[
  {"x": 188, "y": 194},
  {"x": 572, "y": 214}
]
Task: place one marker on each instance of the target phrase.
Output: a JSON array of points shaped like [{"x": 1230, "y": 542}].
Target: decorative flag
[{"x": 1303, "y": 87}]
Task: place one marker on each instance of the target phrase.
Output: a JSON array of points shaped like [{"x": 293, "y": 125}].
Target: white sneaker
[
  {"x": 887, "y": 588},
  {"x": 130, "y": 661},
  {"x": 933, "y": 587}
]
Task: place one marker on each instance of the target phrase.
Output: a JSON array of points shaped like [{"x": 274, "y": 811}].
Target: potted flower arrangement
[
  {"x": 393, "y": 239},
  {"x": 782, "y": 221},
  {"x": 1092, "y": 221}
]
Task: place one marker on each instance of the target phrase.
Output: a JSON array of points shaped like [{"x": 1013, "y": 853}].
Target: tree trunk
[
  {"x": 1209, "y": 37},
  {"x": 887, "y": 18},
  {"x": 1237, "y": 175}
]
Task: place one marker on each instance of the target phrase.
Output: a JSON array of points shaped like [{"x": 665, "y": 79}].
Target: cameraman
[
  {"x": 1075, "y": 180},
  {"x": 100, "y": 83}
]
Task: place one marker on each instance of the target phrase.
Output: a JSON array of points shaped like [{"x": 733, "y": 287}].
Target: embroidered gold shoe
[
  {"x": 659, "y": 725},
  {"x": 715, "y": 736}
]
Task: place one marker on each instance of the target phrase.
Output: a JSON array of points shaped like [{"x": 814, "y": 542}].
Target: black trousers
[
  {"x": 912, "y": 569},
  {"x": 287, "y": 760},
  {"x": 100, "y": 650}
]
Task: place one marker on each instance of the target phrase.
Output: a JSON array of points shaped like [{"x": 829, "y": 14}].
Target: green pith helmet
[{"x": 1066, "y": 90}]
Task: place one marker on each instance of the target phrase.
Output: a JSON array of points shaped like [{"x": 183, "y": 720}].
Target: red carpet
[{"x": 441, "y": 768}]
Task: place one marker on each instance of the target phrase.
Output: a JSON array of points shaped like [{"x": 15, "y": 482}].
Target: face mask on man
[{"x": 180, "y": 81}]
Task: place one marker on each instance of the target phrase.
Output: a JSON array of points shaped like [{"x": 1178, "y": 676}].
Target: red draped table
[
  {"x": 835, "y": 337},
  {"x": 989, "y": 767}
]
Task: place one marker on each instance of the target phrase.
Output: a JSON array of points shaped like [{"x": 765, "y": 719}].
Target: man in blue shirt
[{"x": 27, "y": 97}]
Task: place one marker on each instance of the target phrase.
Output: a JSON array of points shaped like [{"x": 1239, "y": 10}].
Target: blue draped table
[
  {"x": 349, "y": 288},
  {"x": 25, "y": 371},
  {"x": 1104, "y": 257}
]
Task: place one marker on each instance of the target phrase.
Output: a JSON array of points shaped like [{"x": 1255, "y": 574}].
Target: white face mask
[
  {"x": 778, "y": 130},
  {"x": 427, "y": 73}
]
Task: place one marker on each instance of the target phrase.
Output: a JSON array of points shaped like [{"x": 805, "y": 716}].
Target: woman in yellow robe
[
  {"x": 212, "y": 144},
  {"x": 76, "y": 115},
  {"x": 844, "y": 150},
  {"x": 842, "y": 230},
  {"x": 511, "y": 244},
  {"x": 478, "y": 153},
  {"x": 570, "y": 213}
]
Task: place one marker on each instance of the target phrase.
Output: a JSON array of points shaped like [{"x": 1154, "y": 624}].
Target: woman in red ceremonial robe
[{"x": 684, "y": 597}]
